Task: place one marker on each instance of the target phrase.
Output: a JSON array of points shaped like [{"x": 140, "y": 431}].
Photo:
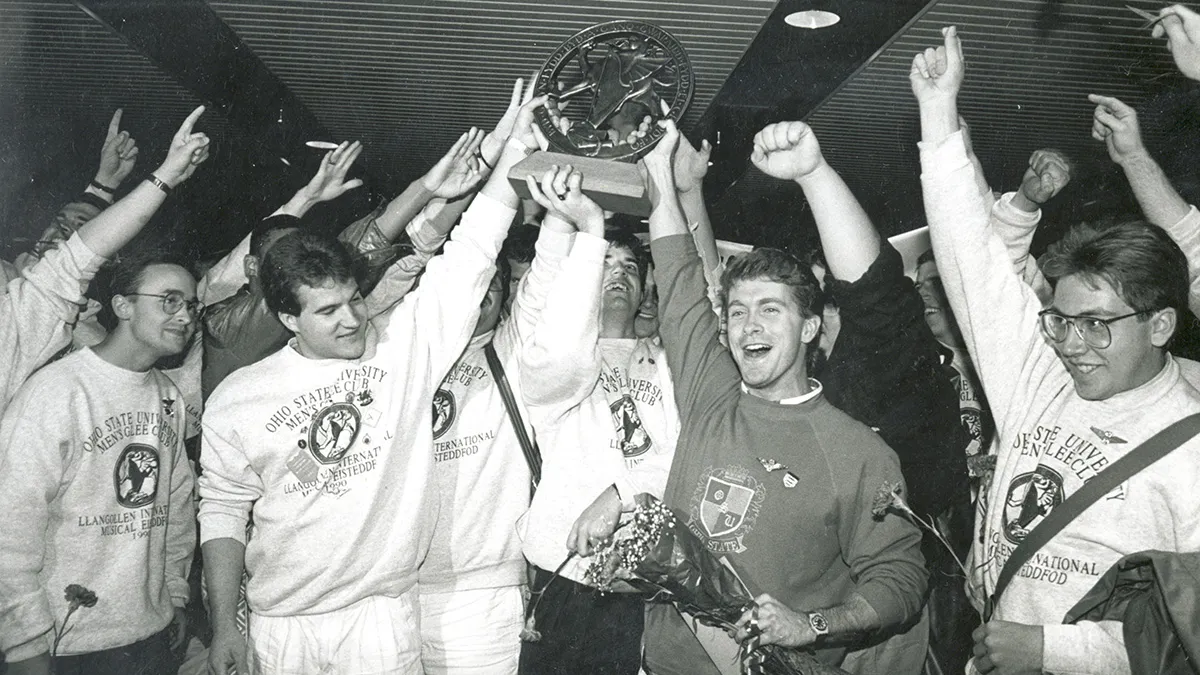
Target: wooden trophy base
[{"x": 615, "y": 186}]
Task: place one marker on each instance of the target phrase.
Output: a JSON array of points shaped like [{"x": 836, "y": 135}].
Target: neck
[
  {"x": 788, "y": 386},
  {"x": 121, "y": 350},
  {"x": 617, "y": 324}
]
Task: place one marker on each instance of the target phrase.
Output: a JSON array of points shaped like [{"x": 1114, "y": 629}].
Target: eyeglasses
[
  {"x": 173, "y": 302},
  {"x": 1094, "y": 331}
]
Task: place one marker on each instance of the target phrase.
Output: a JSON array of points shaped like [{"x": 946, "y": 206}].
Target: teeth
[{"x": 931, "y": 310}]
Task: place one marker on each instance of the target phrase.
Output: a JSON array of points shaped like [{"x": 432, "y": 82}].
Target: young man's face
[
  {"x": 937, "y": 309},
  {"x": 161, "y": 334},
  {"x": 332, "y": 323},
  {"x": 622, "y": 285},
  {"x": 769, "y": 337},
  {"x": 1132, "y": 358}
]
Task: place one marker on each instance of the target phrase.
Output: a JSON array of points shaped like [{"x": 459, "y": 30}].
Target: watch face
[{"x": 818, "y": 623}]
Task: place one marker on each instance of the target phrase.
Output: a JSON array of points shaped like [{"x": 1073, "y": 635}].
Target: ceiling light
[{"x": 812, "y": 18}]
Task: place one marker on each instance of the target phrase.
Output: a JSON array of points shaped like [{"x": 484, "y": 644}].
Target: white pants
[
  {"x": 475, "y": 632},
  {"x": 374, "y": 636}
]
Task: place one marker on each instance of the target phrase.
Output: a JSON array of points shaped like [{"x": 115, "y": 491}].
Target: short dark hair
[
  {"x": 520, "y": 245},
  {"x": 504, "y": 271},
  {"x": 622, "y": 238},
  {"x": 302, "y": 259},
  {"x": 124, "y": 275},
  {"x": 258, "y": 237},
  {"x": 1140, "y": 261},
  {"x": 926, "y": 257},
  {"x": 779, "y": 266}
]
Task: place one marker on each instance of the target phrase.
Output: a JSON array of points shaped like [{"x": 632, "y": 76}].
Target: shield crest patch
[{"x": 723, "y": 509}]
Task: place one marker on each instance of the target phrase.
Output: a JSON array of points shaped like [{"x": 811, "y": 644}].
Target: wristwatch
[{"x": 818, "y": 624}]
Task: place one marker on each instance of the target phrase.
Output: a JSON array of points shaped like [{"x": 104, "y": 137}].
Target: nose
[
  {"x": 351, "y": 317},
  {"x": 1074, "y": 344}
]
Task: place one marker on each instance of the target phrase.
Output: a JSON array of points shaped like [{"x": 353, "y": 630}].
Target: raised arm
[
  {"x": 560, "y": 362},
  {"x": 976, "y": 270},
  {"x": 1116, "y": 125},
  {"x": 118, "y": 224},
  {"x": 790, "y": 151}
]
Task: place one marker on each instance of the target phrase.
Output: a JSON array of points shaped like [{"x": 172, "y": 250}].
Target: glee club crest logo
[{"x": 725, "y": 507}]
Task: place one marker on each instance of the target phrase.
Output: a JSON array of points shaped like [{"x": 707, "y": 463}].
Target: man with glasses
[
  {"x": 1073, "y": 388},
  {"x": 94, "y": 474}
]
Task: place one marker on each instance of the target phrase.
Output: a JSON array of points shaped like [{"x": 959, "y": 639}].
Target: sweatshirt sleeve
[
  {"x": 224, "y": 279},
  {"x": 427, "y": 234},
  {"x": 550, "y": 252},
  {"x": 701, "y": 368},
  {"x": 1085, "y": 648},
  {"x": 1016, "y": 229},
  {"x": 32, "y": 469},
  {"x": 1186, "y": 233},
  {"x": 560, "y": 361},
  {"x": 996, "y": 311},
  {"x": 884, "y": 554},
  {"x": 181, "y": 530},
  {"x": 445, "y": 305},
  {"x": 228, "y": 485},
  {"x": 38, "y": 309}
]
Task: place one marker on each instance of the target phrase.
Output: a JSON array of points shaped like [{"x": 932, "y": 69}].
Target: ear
[
  {"x": 250, "y": 266},
  {"x": 289, "y": 321},
  {"x": 810, "y": 329},
  {"x": 1162, "y": 326},
  {"x": 122, "y": 307}
]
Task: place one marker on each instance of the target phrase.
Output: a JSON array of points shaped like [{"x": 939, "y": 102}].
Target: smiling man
[
  {"x": 769, "y": 474},
  {"x": 100, "y": 489},
  {"x": 1073, "y": 387},
  {"x": 328, "y": 444}
]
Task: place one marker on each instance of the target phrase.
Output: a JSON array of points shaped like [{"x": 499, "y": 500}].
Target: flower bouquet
[{"x": 653, "y": 555}]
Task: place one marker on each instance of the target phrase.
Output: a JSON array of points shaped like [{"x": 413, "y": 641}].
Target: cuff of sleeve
[
  {"x": 222, "y": 526},
  {"x": 884, "y": 601},
  {"x": 945, "y": 156},
  {"x": 88, "y": 261},
  {"x": 553, "y": 242},
  {"x": 95, "y": 200},
  {"x": 27, "y": 650},
  {"x": 589, "y": 247},
  {"x": 1014, "y": 216},
  {"x": 1186, "y": 231}
]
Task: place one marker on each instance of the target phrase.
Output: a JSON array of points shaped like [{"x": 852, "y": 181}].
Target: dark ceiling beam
[
  {"x": 187, "y": 41},
  {"x": 787, "y": 72}
]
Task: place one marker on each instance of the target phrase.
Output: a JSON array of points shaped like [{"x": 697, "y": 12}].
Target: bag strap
[
  {"x": 1149, "y": 452},
  {"x": 533, "y": 456}
]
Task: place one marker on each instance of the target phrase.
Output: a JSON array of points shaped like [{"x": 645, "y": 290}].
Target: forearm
[
  {"x": 848, "y": 238},
  {"x": 552, "y": 248},
  {"x": 300, "y": 204},
  {"x": 497, "y": 186},
  {"x": 181, "y": 533},
  {"x": 695, "y": 214},
  {"x": 667, "y": 218},
  {"x": 118, "y": 224},
  {"x": 939, "y": 120},
  {"x": 403, "y": 209},
  {"x": 224, "y": 563},
  {"x": 851, "y": 619},
  {"x": 1160, "y": 202}
]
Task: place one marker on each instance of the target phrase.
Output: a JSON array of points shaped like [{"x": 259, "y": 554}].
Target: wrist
[
  {"x": 106, "y": 182},
  {"x": 814, "y": 173},
  {"x": 939, "y": 119},
  {"x": 1022, "y": 202},
  {"x": 166, "y": 175},
  {"x": 1136, "y": 160}
]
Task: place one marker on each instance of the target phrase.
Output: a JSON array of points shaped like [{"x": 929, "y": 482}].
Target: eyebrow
[{"x": 1095, "y": 312}]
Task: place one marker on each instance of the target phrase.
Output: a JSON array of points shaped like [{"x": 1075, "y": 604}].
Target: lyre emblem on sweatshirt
[
  {"x": 631, "y": 435},
  {"x": 136, "y": 475},
  {"x": 333, "y": 432},
  {"x": 1107, "y": 437},
  {"x": 168, "y": 405},
  {"x": 444, "y": 411}
]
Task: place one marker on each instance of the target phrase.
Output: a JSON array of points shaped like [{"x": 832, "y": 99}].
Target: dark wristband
[
  {"x": 158, "y": 183},
  {"x": 102, "y": 187}
]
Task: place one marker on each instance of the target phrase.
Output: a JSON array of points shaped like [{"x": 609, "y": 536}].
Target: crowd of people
[{"x": 390, "y": 463}]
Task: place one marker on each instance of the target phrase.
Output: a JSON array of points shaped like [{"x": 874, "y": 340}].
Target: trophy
[{"x": 608, "y": 86}]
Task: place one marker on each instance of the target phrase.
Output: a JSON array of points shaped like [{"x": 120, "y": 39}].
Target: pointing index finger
[
  {"x": 188, "y": 124},
  {"x": 114, "y": 125}
]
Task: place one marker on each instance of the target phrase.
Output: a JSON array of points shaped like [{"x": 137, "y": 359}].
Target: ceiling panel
[{"x": 407, "y": 77}]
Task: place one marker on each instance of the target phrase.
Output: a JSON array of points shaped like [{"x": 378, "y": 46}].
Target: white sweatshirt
[
  {"x": 334, "y": 456},
  {"x": 604, "y": 410},
  {"x": 38, "y": 310},
  {"x": 1050, "y": 440},
  {"x": 481, "y": 476},
  {"x": 98, "y": 491}
]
